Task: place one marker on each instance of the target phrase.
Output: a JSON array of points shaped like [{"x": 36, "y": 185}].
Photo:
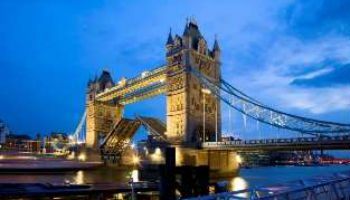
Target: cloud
[
  {"x": 315, "y": 18},
  {"x": 317, "y": 101},
  {"x": 327, "y": 77},
  {"x": 292, "y": 65},
  {"x": 315, "y": 74}
]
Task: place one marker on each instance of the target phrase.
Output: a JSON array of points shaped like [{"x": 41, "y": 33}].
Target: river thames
[{"x": 252, "y": 177}]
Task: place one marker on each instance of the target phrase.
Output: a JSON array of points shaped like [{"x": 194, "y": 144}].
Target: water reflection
[
  {"x": 238, "y": 183},
  {"x": 79, "y": 178},
  {"x": 135, "y": 175}
]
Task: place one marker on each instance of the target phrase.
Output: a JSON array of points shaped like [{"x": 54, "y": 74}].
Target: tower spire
[
  {"x": 186, "y": 31},
  {"x": 216, "y": 44},
  {"x": 170, "y": 40}
]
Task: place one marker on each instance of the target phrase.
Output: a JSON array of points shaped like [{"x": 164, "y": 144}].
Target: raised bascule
[
  {"x": 192, "y": 83},
  {"x": 184, "y": 93}
]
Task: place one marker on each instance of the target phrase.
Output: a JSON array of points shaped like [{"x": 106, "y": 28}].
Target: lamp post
[
  {"x": 204, "y": 91},
  {"x": 216, "y": 120}
]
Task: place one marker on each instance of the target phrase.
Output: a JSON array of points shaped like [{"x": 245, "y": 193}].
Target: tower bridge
[
  {"x": 185, "y": 95},
  {"x": 194, "y": 89}
]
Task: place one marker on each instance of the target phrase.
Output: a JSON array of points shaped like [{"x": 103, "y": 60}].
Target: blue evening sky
[{"x": 292, "y": 55}]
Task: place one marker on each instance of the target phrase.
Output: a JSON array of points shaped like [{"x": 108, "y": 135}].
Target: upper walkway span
[{"x": 147, "y": 84}]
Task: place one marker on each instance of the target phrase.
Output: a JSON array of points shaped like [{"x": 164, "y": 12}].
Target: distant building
[
  {"x": 56, "y": 142},
  {"x": 18, "y": 142},
  {"x": 4, "y": 131},
  {"x": 58, "y": 137}
]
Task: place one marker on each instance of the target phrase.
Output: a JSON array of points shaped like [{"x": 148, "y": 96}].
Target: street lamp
[{"x": 204, "y": 91}]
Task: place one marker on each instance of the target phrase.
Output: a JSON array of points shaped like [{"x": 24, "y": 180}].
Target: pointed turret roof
[
  {"x": 89, "y": 82},
  {"x": 192, "y": 30},
  {"x": 105, "y": 77},
  {"x": 186, "y": 31},
  {"x": 170, "y": 40},
  {"x": 216, "y": 45}
]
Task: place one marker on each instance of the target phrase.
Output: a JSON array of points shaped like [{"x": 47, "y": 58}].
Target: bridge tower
[
  {"x": 100, "y": 116},
  {"x": 190, "y": 107}
]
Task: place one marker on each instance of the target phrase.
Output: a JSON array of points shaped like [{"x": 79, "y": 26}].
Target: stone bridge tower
[
  {"x": 190, "y": 108},
  {"x": 100, "y": 116}
]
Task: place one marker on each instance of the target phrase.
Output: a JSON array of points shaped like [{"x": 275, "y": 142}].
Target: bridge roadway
[{"x": 284, "y": 144}]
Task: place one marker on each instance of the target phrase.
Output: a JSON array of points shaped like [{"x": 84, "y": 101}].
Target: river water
[
  {"x": 254, "y": 177},
  {"x": 262, "y": 176}
]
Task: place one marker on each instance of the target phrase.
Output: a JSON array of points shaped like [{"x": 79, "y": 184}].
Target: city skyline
[{"x": 297, "y": 61}]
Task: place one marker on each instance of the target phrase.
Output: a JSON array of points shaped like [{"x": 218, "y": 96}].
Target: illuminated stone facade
[
  {"x": 100, "y": 116},
  {"x": 185, "y": 95},
  {"x": 187, "y": 104}
]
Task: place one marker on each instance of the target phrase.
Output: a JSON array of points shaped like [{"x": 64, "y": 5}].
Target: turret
[
  {"x": 99, "y": 84},
  {"x": 105, "y": 81},
  {"x": 216, "y": 50},
  {"x": 191, "y": 35},
  {"x": 170, "y": 41}
]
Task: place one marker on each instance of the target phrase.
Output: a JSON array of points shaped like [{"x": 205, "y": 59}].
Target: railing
[
  {"x": 336, "y": 186},
  {"x": 279, "y": 141},
  {"x": 149, "y": 91},
  {"x": 145, "y": 75},
  {"x": 132, "y": 81},
  {"x": 257, "y": 111}
]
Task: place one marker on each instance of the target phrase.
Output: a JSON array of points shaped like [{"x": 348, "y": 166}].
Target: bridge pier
[{"x": 221, "y": 163}]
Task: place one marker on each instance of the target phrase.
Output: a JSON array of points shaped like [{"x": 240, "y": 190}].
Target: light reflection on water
[
  {"x": 135, "y": 175},
  {"x": 100, "y": 175},
  {"x": 238, "y": 183},
  {"x": 79, "y": 178}
]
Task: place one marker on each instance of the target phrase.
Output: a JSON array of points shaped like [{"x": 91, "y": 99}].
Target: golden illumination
[
  {"x": 135, "y": 159},
  {"x": 239, "y": 159},
  {"x": 158, "y": 151},
  {"x": 178, "y": 157},
  {"x": 79, "y": 178},
  {"x": 71, "y": 156},
  {"x": 82, "y": 157},
  {"x": 70, "y": 137},
  {"x": 206, "y": 91},
  {"x": 135, "y": 175},
  {"x": 2, "y": 157},
  {"x": 157, "y": 155},
  {"x": 238, "y": 183}
]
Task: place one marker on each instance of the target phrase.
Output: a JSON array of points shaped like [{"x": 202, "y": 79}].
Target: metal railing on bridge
[
  {"x": 336, "y": 186},
  {"x": 132, "y": 85},
  {"x": 326, "y": 142},
  {"x": 257, "y": 111}
]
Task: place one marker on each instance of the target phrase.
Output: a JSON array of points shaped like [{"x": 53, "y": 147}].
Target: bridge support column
[
  {"x": 100, "y": 118},
  {"x": 221, "y": 163}
]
